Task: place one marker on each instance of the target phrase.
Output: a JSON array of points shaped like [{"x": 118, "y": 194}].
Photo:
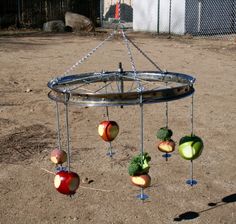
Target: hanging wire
[
  {"x": 58, "y": 127},
  {"x": 145, "y": 55},
  {"x": 67, "y": 132}
]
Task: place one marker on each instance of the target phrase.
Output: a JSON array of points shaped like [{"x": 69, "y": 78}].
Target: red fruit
[
  {"x": 66, "y": 182},
  {"x": 108, "y": 130},
  {"x": 58, "y": 156},
  {"x": 142, "y": 181},
  {"x": 166, "y": 146}
]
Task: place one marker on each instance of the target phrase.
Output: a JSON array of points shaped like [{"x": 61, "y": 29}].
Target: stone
[
  {"x": 78, "y": 22},
  {"x": 54, "y": 26}
]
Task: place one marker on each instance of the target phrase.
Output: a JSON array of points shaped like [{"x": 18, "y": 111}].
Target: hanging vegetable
[
  {"x": 166, "y": 145},
  {"x": 138, "y": 170},
  {"x": 190, "y": 147}
]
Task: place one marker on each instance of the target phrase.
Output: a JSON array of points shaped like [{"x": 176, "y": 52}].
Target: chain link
[
  {"x": 149, "y": 59},
  {"x": 139, "y": 88},
  {"x": 87, "y": 56}
]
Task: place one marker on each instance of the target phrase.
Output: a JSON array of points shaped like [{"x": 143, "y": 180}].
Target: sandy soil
[{"x": 28, "y": 134}]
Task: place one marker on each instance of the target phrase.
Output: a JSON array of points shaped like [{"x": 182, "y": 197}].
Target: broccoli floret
[
  {"x": 134, "y": 169},
  {"x": 164, "y": 134},
  {"x": 139, "y": 165}
]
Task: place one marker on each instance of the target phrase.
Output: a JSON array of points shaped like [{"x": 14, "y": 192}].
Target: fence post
[
  {"x": 18, "y": 14},
  {"x": 158, "y": 17},
  {"x": 101, "y": 12},
  {"x": 170, "y": 8}
]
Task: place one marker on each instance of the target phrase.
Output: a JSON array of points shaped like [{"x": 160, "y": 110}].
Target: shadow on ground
[{"x": 189, "y": 215}]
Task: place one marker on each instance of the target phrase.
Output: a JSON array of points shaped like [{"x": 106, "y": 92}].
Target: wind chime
[{"x": 121, "y": 88}]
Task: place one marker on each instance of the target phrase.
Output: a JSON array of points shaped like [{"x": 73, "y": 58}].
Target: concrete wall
[{"x": 145, "y": 16}]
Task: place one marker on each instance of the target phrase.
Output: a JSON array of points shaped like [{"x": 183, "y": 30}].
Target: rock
[
  {"x": 28, "y": 90},
  {"x": 85, "y": 180},
  {"x": 54, "y": 26},
  {"x": 78, "y": 22}
]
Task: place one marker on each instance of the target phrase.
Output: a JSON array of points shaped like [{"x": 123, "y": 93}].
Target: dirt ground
[{"x": 28, "y": 134}]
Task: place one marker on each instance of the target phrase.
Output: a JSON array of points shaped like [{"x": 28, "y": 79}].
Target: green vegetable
[
  {"x": 190, "y": 138},
  {"x": 139, "y": 165},
  {"x": 164, "y": 134}
]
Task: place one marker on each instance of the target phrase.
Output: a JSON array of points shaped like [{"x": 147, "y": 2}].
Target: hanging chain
[
  {"x": 129, "y": 52},
  {"x": 88, "y": 55},
  {"x": 149, "y": 59},
  {"x": 140, "y": 88},
  {"x": 58, "y": 126}
]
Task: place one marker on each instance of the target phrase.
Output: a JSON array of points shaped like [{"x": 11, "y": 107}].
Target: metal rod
[
  {"x": 167, "y": 112},
  {"x": 192, "y": 116},
  {"x": 120, "y": 70},
  {"x": 18, "y": 14},
  {"x": 107, "y": 111},
  {"x": 67, "y": 133},
  {"x": 141, "y": 125},
  {"x": 170, "y": 16},
  {"x": 58, "y": 126},
  {"x": 141, "y": 136},
  {"x": 158, "y": 18},
  {"x": 110, "y": 149},
  {"x": 191, "y": 172}
]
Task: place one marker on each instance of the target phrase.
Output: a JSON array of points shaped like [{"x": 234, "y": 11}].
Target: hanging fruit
[
  {"x": 66, "y": 182},
  {"x": 138, "y": 170},
  {"x": 142, "y": 181},
  {"x": 190, "y": 147},
  {"x": 108, "y": 130},
  {"x": 166, "y": 145},
  {"x": 58, "y": 156}
]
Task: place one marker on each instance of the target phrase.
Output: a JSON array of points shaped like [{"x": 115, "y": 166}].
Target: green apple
[{"x": 190, "y": 147}]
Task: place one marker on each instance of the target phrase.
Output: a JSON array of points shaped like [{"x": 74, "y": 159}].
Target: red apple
[
  {"x": 166, "y": 146},
  {"x": 66, "y": 182},
  {"x": 142, "y": 181},
  {"x": 108, "y": 130},
  {"x": 58, "y": 156}
]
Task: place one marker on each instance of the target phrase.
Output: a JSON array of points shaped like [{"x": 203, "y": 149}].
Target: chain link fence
[
  {"x": 212, "y": 18},
  {"x": 201, "y": 18}
]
